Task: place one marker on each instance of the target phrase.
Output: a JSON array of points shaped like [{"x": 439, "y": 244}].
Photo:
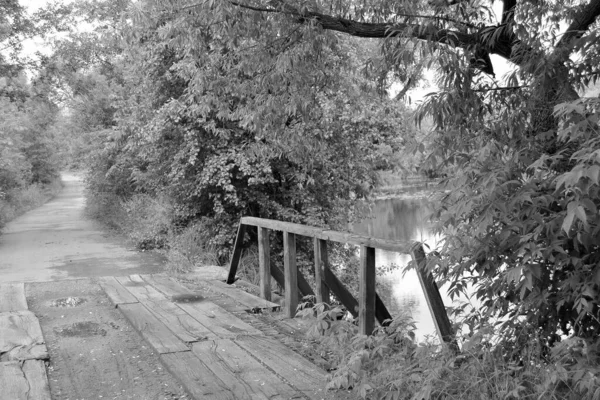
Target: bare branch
[{"x": 500, "y": 88}]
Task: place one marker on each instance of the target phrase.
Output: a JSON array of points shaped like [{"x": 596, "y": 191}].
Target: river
[{"x": 405, "y": 218}]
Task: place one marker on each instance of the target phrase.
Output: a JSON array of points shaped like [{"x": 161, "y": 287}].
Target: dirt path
[
  {"x": 56, "y": 241},
  {"x": 94, "y": 352}
]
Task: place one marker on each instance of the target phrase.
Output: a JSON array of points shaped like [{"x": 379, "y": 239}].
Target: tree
[
  {"x": 520, "y": 220},
  {"x": 230, "y": 128}
]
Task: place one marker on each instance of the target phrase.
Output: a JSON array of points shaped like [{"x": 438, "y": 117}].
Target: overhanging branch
[
  {"x": 583, "y": 20},
  {"x": 382, "y": 30}
]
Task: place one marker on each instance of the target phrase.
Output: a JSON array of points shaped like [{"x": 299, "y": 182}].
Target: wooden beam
[
  {"x": 434, "y": 299},
  {"x": 264, "y": 263},
  {"x": 340, "y": 291},
  {"x": 321, "y": 261},
  {"x": 304, "y": 288},
  {"x": 335, "y": 236},
  {"x": 290, "y": 271},
  {"x": 237, "y": 253},
  {"x": 366, "y": 301},
  {"x": 381, "y": 312}
]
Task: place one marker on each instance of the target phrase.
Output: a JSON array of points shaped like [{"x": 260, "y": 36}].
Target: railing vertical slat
[
  {"x": 237, "y": 253},
  {"x": 264, "y": 263},
  {"x": 366, "y": 311},
  {"x": 321, "y": 262},
  {"x": 290, "y": 271},
  {"x": 434, "y": 299}
]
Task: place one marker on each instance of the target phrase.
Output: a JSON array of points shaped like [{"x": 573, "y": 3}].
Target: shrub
[
  {"x": 18, "y": 201},
  {"x": 189, "y": 247},
  {"x": 391, "y": 365}
]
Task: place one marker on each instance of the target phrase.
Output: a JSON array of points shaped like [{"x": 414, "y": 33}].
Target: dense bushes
[
  {"x": 19, "y": 200},
  {"x": 391, "y": 365},
  {"x": 28, "y": 162}
]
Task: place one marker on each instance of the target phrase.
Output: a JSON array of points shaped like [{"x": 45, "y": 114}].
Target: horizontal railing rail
[{"x": 369, "y": 305}]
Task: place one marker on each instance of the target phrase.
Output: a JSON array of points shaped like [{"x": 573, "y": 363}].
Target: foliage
[
  {"x": 227, "y": 128},
  {"x": 187, "y": 248},
  {"x": 390, "y": 364},
  {"x": 18, "y": 201}
]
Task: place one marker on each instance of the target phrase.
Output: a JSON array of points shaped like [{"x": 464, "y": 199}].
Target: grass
[
  {"x": 148, "y": 224},
  {"x": 17, "y": 202}
]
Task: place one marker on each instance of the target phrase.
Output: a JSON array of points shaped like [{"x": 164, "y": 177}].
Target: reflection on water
[{"x": 401, "y": 219}]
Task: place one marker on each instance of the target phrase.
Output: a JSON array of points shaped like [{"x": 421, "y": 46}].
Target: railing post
[
  {"x": 434, "y": 299},
  {"x": 321, "y": 262},
  {"x": 291, "y": 274},
  {"x": 264, "y": 263},
  {"x": 237, "y": 253},
  {"x": 366, "y": 301}
]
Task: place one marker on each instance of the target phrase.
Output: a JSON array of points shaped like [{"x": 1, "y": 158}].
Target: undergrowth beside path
[{"x": 18, "y": 201}]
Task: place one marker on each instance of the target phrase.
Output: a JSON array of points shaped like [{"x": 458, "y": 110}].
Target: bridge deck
[
  {"x": 200, "y": 336},
  {"x": 213, "y": 353}
]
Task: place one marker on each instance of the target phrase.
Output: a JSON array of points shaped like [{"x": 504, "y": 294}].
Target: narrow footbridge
[
  {"x": 369, "y": 306},
  {"x": 207, "y": 336}
]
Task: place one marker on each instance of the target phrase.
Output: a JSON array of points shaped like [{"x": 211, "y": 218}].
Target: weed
[
  {"x": 391, "y": 365},
  {"x": 190, "y": 247},
  {"x": 17, "y": 201}
]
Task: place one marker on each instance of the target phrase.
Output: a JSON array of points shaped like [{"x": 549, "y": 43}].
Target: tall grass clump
[
  {"x": 19, "y": 200},
  {"x": 149, "y": 223},
  {"x": 392, "y": 365},
  {"x": 190, "y": 247},
  {"x": 144, "y": 219}
]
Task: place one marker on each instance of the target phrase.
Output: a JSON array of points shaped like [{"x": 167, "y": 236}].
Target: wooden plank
[
  {"x": 226, "y": 302},
  {"x": 366, "y": 297},
  {"x": 321, "y": 261},
  {"x": 187, "y": 328},
  {"x": 290, "y": 272},
  {"x": 249, "y": 300},
  {"x": 152, "y": 329},
  {"x": 340, "y": 291},
  {"x": 220, "y": 321},
  {"x": 12, "y": 381},
  {"x": 381, "y": 312},
  {"x": 21, "y": 337},
  {"x": 304, "y": 288},
  {"x": 24, "y": 381},
  {"x": 250, "y": 379},
  {"x": 295, "y": 369},
  {"x": 12, "y": 297},
  {"x": 264, "y": 263},
  {"x": 434, "y": 299},
  {"x": 115, "y": 291},
  {"x": 335, "y": 236},
  {"x": 35, "y": 372},
  {"x": 197, "y": 379},
  {"x": 168, "y": 286},
  {"x": 237, "y": 253}
]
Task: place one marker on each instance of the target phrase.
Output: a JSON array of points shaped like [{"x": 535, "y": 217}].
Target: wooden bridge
[
  {"x": 369, "y": 305},
  {"x": 205, "y": 337}
]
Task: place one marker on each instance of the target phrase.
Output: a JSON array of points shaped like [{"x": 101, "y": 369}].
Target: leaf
[
  {"x": 514, "y": 274},
  {"x": 568, "y": 221}
]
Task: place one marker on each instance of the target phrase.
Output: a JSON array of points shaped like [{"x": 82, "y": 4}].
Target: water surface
[{"x": 401, "y": 219}]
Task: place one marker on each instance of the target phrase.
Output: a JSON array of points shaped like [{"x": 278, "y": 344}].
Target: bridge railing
[{"x": 369, "y": 305}]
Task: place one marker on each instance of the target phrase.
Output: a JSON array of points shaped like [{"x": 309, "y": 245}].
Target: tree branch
[
  {"x": 583, "y": 19},
  {"x": 381, "y": 30}
]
